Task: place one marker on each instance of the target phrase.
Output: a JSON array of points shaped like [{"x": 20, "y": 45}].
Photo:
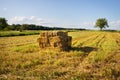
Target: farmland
[
  {"x": 94, "y": 55},
  {"x": 18, "y": 33}
]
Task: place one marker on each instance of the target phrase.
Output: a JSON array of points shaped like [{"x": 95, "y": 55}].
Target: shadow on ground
[{"x": 85, "y": 49}]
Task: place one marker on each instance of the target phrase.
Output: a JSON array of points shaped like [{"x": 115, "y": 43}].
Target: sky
[{"x": 61, "y": 13}]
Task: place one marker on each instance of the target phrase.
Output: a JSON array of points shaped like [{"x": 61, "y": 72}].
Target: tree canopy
[
  {"x": 101, "y": 23},
  {"x": 3, "y": 23}
]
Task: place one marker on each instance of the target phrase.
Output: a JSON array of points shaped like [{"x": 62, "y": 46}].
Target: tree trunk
[{"x": 100, "y": 29}]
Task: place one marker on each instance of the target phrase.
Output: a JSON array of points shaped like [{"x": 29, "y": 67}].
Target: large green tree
[
  {"x": 101, "y": 23},
  {"x": 24, "y": 27},
  {"x": 3, "y": 23}
]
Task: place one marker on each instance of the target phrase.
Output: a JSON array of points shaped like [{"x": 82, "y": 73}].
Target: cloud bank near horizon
[{"x": 53, "y": 23}]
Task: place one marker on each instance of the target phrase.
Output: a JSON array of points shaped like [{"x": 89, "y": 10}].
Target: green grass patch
[
  {"x": 18, "y": 33},
  {"x": 26, "y": 48}
]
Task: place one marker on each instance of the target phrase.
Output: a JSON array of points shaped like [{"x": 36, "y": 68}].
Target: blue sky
[{"x": 61, "y": 13}]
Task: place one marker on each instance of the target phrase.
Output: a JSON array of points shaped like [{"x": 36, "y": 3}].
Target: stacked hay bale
[{"x": 55, "y": 40}]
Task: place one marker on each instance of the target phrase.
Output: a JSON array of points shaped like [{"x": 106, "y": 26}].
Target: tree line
[
  {"x": 100, "y": 23},
  {"x": 20, "y": 27}
]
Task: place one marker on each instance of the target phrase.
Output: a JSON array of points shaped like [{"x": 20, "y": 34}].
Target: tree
[
  {"x": 3, "y": 23},
  {"x": 23, "y": 27},
  {"x": 16, "y": 26},
  {"x": 101, "y": 23}
]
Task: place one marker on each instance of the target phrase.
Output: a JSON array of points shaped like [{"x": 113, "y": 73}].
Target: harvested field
[{"x": 95, "y": 55}]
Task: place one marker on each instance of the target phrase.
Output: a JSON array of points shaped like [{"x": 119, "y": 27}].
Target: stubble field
[{"x": 95, "y": 55}]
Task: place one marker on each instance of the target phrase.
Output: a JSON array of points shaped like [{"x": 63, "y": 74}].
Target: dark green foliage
[
  {"x": 17, "y": 33},
  {"x": 101, "y": 23},
  {"x": 3, "y": 23}
]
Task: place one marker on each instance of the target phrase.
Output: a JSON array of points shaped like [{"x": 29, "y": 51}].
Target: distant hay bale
[{"x": 55, "y": 40}]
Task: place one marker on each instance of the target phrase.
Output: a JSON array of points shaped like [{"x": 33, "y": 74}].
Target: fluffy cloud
[
  {"x": 87, "y": 25},
  {"x": 28, "y": 20},
  {"x": 4, "y": 9},
  {"x": 114, "y": 25},
  {"x": 18, "y": 19}
]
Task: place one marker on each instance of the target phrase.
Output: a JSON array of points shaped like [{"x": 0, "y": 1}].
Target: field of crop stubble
[{"x": 95, "y": 55}]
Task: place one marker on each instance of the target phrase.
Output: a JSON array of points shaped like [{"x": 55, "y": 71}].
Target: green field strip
[
  {"x": 82, "y": 36},
  {"x": 96, "y": 42},
  {"x": 110, "y": 43},
  {"x": 83, "y": 41},
  {"x": 93, "y": 41}
]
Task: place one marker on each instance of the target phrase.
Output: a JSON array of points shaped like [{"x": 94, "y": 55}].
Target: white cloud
[
  {"x": 115, "y": 22},
  {"x": 4, "y": 9},
  {"x": 87, "y": 25},
  {"x": 17, "y": 18},
  {"x": 114, "y": 25},
  {"x": 29, "y": 20},
  {"x": 32, "y": 17}
]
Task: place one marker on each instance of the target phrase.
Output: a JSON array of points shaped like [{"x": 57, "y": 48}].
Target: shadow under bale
[{"x": 85, "y": 49}]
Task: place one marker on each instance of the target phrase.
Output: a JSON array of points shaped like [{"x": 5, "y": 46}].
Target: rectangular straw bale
[
  {"x": 69, "y": 41},
  {"x": 43, "y": 40},
  {"x": 41, "y": 45},
  {"x": 50, "y": 34},
  {"x": 58, "y": 44},
  {"x": 38, "y": 39},
  {"x": 55, "y": 40},
  {"x": 64, "y": 34},
  {"x": 42, "y": 34},
  {"x": 69, "y": 38},
  {"x": 45, "y": 34},
  {"x": 54, "y": 33}
]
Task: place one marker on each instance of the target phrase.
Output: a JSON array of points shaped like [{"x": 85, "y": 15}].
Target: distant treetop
[{"x": 101, "y": 23}]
